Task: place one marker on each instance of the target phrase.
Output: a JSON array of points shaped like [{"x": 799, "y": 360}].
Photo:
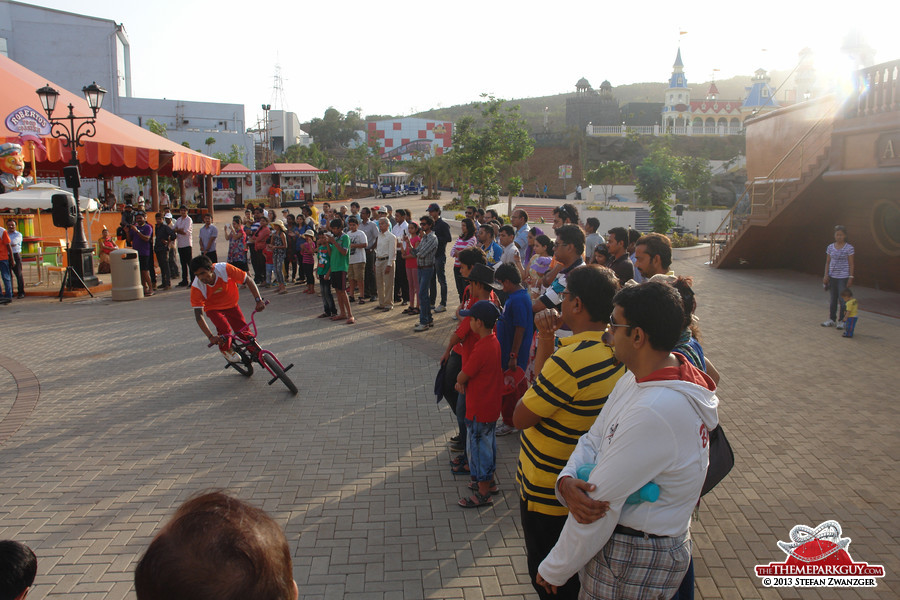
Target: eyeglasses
[
  {"x": 566, "y": 294},
  {"x": 612, "y": 322}
]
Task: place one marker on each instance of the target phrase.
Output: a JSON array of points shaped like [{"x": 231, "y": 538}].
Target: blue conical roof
[{"x": 678, "y": 63}]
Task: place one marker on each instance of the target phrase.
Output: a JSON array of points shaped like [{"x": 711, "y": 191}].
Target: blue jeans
[
  {"x": 425, "y": 274},
  {"x": 463, "y": 423},
  {"x": 6, "y": 275},
  {"x": 482, "y": 449},
  {"x": 836, "y": 286},
  {"x": 439, "y": 277}
]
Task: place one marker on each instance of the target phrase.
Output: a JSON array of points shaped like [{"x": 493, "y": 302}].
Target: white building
[
  {"x": 69, "y": 49},
  {"x": 73, "y": 50},
  {"x": 194, "y": 123}
]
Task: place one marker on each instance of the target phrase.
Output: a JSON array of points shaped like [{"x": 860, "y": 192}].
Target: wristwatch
[{"x": 259, "y": 299}]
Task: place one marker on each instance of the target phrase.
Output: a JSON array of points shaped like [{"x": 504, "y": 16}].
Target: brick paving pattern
[{"x": 135, "y": 414}]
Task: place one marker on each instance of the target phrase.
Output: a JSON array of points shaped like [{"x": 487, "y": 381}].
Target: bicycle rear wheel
[
  {"x": 245, "y": 367},
  {"x": 270, "y": 362}
]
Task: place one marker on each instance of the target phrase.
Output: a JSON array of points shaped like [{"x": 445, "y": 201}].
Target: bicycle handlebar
[{"x": 251, "y": 324}]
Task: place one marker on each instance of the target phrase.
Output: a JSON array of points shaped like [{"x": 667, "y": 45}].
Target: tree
[
  {"x": 334, "y": 131},
  {"x": 186, "y": 144},
  {"x": 157, "y": 128},
  {"x": 209, "y": 142},
  {"x": 496, "y": 141},
  {"x": 658, "y": 177},
  {"x": 354, "y": 163},
  {"x": 696, "y": 176},
  {"x": 431, "y": 168},
  {"x": 304, "y": 154},
  {"x": 607, "y": 175},
  {"x": 235, "y": 156},
  {"x": 513, "y": 187}
]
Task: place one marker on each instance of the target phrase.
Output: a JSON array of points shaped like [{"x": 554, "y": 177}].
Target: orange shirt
[{"x": 222, "y": 294}]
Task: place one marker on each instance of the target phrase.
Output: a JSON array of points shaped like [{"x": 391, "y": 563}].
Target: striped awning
[{"x": 118, "y": 148}]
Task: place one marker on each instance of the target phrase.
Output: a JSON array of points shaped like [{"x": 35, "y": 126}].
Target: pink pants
[{"x": 412, "y": 276}]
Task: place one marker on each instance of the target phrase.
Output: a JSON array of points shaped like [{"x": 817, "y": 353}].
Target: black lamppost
[
  {"x": 80, "y": 254},
  {"x": 266, "y": 108}
]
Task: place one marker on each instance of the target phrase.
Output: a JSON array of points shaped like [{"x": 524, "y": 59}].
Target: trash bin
[{"x": 125, "y": 273}]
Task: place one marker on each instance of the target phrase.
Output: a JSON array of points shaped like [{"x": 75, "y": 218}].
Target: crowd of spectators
[{"x": 585, "y": 346}]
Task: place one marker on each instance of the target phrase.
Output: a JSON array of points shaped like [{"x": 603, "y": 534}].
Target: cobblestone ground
[{"x": 135, "y": 414}]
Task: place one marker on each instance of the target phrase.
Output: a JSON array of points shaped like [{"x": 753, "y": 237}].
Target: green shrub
[{"x": 684, "y": 241}]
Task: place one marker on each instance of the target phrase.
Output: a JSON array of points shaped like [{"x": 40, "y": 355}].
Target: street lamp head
[
  {"x": 94, "y": 95},
  {"x": 48, "y": 97}
]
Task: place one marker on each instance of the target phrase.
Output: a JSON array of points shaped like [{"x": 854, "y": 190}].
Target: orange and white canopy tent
[{"x": 119, "y": 148}]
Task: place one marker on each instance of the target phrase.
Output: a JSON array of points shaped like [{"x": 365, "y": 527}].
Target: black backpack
[{"x": 721, "y": 459}]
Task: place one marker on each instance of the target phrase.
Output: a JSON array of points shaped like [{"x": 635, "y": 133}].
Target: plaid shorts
[{"x": 635, "y": 568}]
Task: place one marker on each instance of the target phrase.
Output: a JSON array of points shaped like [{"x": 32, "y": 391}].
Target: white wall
[{"x": 68, "y": 49}]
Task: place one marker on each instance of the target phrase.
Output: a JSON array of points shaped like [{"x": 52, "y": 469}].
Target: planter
[{"x": 690, "y": 252}]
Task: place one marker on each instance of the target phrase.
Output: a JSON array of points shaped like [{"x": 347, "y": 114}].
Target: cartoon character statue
[{"x": 12, "y": 165}]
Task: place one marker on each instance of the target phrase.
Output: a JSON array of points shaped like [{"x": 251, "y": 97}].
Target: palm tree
[{"x": 209, "y": 142}]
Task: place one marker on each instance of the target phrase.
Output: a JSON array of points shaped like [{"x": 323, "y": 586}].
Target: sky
[{"x": 403, "y": 56}]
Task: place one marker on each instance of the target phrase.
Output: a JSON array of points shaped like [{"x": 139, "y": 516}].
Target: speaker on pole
[
  {"x": 65, "y": 211},
  {"x": 72, "y": 177}
]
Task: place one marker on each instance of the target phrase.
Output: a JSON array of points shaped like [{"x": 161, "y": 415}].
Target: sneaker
[
  {"x": 439, "y": 308},
  {"x": 420, "y": 327},
  {"x": 457, "y": 447},
  {"x": 455, "y": 438},
  {"x": 840, "y": 325},
  {"x": 828, "y": 323},
  {"x": 455, "y": 318},
  {"x": 504, "y": 429},
  {"x": 231, "y": 356}
]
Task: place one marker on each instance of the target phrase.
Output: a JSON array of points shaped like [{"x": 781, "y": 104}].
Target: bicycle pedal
[
  {"x": 288, "y": 368},
  {"x": 273, "y": 380}
]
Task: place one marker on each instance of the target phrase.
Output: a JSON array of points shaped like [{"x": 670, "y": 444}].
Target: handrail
[{"x": 745, "y": 204}]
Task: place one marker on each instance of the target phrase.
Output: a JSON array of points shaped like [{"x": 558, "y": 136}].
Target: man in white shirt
[
  {"x": 592, "y": 239},
  {"x": 15, "y": 246},
  {"x": 385, "y": 255},
  {"x": 184, "y": 230},
  {"x": 654, "y": 428},
  {"x": 370, "y": 228},
  {"x": 400, "y": 230},
  {"x": 356, "y": 274},
  {"x": 208, "y": 235}
]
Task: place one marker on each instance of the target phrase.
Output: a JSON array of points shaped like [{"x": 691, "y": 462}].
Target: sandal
[
  {"x": 462, "y": 469},
  {"x": 495, "y": 489},
  {"x": 476, "y": 500},
  {"x": 338, "y": 318},
  {"x": 351, "y": 321},
  {"x": 324, "y": 316},
  {"x": 459, "y": 460}
]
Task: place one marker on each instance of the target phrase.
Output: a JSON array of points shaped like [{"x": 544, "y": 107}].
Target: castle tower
[
  {"x": 760, "y": 95},
  {"x": 676, "y": 111}
]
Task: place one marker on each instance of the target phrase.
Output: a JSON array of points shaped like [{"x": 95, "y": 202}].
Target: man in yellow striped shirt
[{"x": 561, "y": 406}]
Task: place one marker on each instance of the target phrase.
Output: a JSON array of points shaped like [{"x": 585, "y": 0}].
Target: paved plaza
[{"x": 113, "y": 413}]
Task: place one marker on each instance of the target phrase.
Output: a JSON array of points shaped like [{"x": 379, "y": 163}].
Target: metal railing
[
  {"x": 877, "y": 91},
  {"x": 658, "y": 130},
  {"x": 761, "y": 194}
]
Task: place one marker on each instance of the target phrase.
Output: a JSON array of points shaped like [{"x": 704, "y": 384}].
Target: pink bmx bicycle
[{"x": 248, "y": 349}]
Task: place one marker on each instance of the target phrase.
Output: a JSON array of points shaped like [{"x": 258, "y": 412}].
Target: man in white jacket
[{"x": 654, "y": 427}]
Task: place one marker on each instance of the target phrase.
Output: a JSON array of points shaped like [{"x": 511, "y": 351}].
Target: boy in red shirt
[
  {"x": 481, "y": 380},
  {"x": 215, "y": 290}
]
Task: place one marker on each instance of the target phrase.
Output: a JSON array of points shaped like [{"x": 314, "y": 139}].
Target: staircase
[
  {"x": 642, "y": 220},
  {"x": 765, "y": 198}
]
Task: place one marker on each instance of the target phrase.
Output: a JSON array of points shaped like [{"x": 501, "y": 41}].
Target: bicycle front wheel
[
  {"x": 272, "y": 364},
  {"x": 245, "y": 367}
]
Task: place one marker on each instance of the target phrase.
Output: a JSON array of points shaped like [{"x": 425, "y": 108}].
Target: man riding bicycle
[{"x": 215, "y": 290}]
